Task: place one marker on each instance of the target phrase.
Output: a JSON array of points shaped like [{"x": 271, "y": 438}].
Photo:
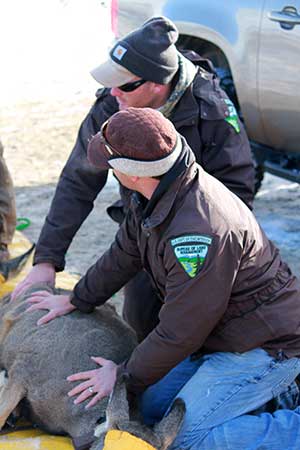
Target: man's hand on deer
[
  {"x": 98, "y": 383},
  {"x": 58, "y": 305},
  {"x": 40, "y": 273}
]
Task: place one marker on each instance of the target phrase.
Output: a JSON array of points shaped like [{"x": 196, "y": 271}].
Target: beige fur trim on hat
[{"x": 156, "y": 168}]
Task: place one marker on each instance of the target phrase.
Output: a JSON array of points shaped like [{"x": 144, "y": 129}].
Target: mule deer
[
  {"x": 132, "y": 432},
  {"x": 36, "y": 360}
]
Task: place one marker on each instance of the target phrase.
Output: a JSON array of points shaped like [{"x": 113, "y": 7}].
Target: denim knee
[{"x": 157, "y": 399}]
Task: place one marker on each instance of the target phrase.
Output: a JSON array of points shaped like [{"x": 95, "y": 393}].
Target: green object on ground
[{"x": 22, "y": 223}]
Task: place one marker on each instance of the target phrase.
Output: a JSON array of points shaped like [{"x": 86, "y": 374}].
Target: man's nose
[{"x": 115, "y": 92}]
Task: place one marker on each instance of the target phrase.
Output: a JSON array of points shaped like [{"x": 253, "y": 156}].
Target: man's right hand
[
  {"x": 57, "y": 305},
  {"x": 40, "y": 273}
]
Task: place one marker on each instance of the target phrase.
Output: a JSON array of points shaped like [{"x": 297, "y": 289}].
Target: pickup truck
[{"x": 255, "y": 48}]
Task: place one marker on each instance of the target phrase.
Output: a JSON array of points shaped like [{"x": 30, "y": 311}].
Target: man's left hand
[{"x": 98, "y": 383}]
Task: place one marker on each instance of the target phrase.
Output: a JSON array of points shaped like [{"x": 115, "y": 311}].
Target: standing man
[
  {"x": 145, "y": 69},
  {"x": 230, "y": 305},
  {"x": 7, "y": 208}
]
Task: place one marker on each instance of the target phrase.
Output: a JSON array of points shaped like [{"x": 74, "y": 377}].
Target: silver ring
[{"x": 91, "y": 390}]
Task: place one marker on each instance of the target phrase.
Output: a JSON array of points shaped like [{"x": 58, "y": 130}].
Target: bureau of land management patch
[
  {"x": 232, "y": 117},
  {"x": 191, "y": 251}
]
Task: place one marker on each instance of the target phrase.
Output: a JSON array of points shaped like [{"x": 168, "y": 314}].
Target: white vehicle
[{"x": 255, "y": 48}]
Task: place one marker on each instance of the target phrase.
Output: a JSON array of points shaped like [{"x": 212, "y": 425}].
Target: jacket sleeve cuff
[
  {"x": 59, "y": 267},
  {"x": 81, "y": 305},
  {"x": 134, "y": 387}
]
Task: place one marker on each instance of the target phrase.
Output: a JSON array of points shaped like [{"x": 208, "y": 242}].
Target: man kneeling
[{"x": 227, "y": 338}]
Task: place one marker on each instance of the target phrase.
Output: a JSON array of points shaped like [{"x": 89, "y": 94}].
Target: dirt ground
[{"x": 38, "y": 137}]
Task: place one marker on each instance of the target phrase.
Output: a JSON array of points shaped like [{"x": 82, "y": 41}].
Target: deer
[{"x": 35, "y": 362}]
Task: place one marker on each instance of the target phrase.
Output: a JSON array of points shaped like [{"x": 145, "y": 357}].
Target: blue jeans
[
  {"x": 220, "y": 390},
  {"x": 277, "y": 431}
]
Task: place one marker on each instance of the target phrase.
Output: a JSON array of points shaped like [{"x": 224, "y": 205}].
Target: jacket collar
[
  {"x": 188, "y": 113},
  {"x": 185, "y": 76}
]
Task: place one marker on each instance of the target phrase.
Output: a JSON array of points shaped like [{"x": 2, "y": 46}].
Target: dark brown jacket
[
  {"x": 222, "y": 282},
  {"x": 200, "y": 116}
]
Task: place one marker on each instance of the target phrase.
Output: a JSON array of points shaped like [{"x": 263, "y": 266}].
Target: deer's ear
[
  {"x": 168, "y": 427},
  {"x": 117, "y": 409},
  {"x": 99, "y": 442}
]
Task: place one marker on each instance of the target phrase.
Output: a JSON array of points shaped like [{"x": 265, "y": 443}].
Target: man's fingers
[
  {"x": 95, "y": 400},
  {"x": 41, "y": 294},
  {"x": 17, "y": 291},
  {"x": 37, "y": 297},
  {"x": 81, "y": 387},
  {"x": 81, "y": 375},
  {"x": 83, "y": 396},
  {"x": 35, "y": 300},
  {"x": 36, "y": 307},
  {"x": 47, "y": 317},
  {"x": 14, "y": 294},
  {"x": 99, "y": 360}
]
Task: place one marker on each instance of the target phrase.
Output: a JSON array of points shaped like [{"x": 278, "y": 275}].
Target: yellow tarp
[
  {"x": 19, "y": 246},
  {"x": 116, "y": 440},
  {"x": 32, "y": 439}
]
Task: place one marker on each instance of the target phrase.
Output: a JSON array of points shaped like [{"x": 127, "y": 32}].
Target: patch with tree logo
[
  {"x": 191, "y": 252},
  {"x": 232, "y": 117}
]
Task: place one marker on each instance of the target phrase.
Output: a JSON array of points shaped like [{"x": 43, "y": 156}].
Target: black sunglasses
[{"x": 130, "y": 87}]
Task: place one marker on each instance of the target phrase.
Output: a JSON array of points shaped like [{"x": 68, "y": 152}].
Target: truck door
[{"x": 279, "y": 73}]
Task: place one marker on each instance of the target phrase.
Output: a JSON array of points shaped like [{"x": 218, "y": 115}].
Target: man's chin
[{"x": 122, "y": 105}]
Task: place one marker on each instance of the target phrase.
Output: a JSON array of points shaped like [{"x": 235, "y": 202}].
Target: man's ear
[
  {"x": 168, "y": 428},
  {"x": 158, "y": 88},
  {"x": 134, "y": 179}
]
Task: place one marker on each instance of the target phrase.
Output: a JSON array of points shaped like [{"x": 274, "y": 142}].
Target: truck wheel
[
  {"x": 223, "y": 71},
  {"x": 259, "y": 175},
  {"x": 217, "y": 57},
  {"x": 258, "y": 167},
  {"x": 226, "y": 83}
]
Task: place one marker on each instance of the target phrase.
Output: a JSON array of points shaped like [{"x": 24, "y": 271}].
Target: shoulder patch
[
  {"x": 191, "y": 251},
  {"x": 232, "y": 117}
]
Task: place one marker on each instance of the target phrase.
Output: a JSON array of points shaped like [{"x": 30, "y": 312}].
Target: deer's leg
[{"x": 11, "y": 394}]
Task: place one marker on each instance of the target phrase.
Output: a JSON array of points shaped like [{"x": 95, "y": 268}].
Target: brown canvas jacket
[
  {"x": 236, "y": 296},
  {"x": 200, "y": 116}
]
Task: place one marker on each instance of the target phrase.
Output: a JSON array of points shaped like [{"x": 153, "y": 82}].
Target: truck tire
[
  {"x": 259, "y": 174},
  {"x": 209, "y": 51}
]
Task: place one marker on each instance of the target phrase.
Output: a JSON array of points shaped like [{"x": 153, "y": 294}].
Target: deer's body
[{"x": 38, "y": 359}]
